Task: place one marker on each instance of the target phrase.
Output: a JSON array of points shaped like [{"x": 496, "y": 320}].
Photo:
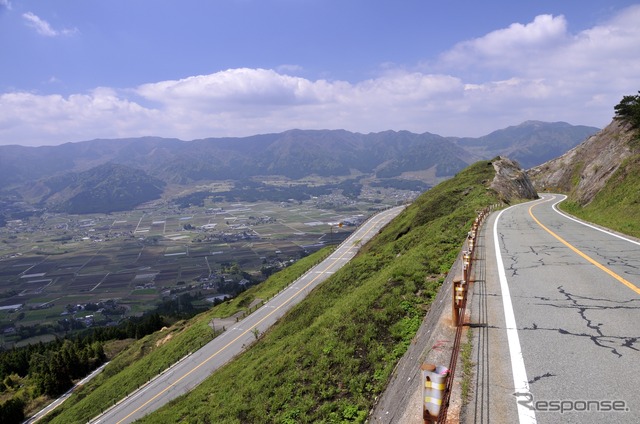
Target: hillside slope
[
  {"x": 601, "y": 177},
  {"x": 105, "y": 188},
  {"x": 334, "y": 353}
]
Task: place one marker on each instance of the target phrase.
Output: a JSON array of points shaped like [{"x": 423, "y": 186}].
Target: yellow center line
[
  {"x": 583, "y": 255},
  {"x": 244, "y": 333}
]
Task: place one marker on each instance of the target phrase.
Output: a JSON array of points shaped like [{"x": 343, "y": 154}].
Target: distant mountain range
[
  {"x": 530, "y": 143},
  {"x": 118, "y": 174}
]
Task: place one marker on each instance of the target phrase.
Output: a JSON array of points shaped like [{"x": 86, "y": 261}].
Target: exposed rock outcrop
[
  {"x": 511, "y": 181},
  {"x": 584, "y": 170}
]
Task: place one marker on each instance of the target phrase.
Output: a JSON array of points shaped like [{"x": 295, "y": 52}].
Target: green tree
[
  {"x": 69, "y": 359},
  {"x": 12, "y": 411},
  {"x": 49, "y": 372},
  {"x": 629, "y": 110}
]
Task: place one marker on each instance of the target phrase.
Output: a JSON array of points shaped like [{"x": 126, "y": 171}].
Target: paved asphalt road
[
  {"x": 557, "y": 322},
  {"x": 193, "y": 369}
]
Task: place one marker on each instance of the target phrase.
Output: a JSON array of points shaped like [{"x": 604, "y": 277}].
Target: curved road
[
  {"x": 193, "y": 369},
  {"x": 556, "y": 321}
]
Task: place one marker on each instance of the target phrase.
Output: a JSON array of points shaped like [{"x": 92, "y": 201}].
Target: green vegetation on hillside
[{"x": 31, "y": 375}]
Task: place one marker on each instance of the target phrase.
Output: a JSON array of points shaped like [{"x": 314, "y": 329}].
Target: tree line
[{"x": 50, "y": 368}]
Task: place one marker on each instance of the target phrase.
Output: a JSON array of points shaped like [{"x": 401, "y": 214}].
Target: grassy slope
[
  {"x": 333, "y": 353},
  {"x": 617, "y": 206}
]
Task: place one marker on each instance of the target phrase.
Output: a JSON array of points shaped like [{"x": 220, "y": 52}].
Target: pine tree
[{"x": 629, "y": 110}]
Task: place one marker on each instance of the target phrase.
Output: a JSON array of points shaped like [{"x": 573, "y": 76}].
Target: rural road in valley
[
  {"x": 193, "y": 369},
  {"x": 556, "y": 321}
]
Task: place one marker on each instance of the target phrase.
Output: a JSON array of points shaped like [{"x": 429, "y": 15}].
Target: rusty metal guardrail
[{"x": 437, "y": 380}]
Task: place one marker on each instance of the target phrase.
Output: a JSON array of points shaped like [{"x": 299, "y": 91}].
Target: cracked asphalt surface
[{"x": 578, "y": 326}]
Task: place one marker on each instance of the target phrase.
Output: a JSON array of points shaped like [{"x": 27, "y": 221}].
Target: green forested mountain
[{"x": 105, "y": 188}]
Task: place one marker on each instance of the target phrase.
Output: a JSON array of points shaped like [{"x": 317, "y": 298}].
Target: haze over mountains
[{"x": 71, "y": 174}]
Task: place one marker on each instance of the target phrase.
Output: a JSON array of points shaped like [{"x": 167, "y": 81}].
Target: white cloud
[
  {"x": 264, "y": 100},
  {"x": 31, "y": 119},
  {"x": 538, "y": 70},
  {"x": 236, "y": 87},
  {"x": 43, "y": 27},
  {"x": 507, "y": 47},
  {"x": 550, "y": 73},
  {"x": 6, "y": 4},
  {"x": 544, "y": 48}
]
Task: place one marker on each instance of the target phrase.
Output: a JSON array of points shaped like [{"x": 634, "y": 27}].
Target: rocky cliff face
[
  {"x": 511, "y": 181},
  {"x": 584, "y": 170}
]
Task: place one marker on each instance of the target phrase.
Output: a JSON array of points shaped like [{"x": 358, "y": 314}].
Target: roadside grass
[
  {"x": 333, "y": 353},
  {"x": 466, "y": 350},
  {"x": 617, "y": 205}
]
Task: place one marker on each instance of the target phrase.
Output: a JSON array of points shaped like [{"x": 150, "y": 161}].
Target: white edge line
[
  {"x": 589, "y": 225},
  {"x": 526, "y": 413}
]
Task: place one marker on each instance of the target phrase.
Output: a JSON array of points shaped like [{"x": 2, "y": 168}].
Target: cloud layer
[{"x": 538, "y": 70}]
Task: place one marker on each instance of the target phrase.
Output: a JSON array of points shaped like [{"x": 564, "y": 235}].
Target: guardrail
[{"x": 437, "y": 380}]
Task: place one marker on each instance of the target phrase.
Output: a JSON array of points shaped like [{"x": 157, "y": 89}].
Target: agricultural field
[{"x": 60, "y": 270}]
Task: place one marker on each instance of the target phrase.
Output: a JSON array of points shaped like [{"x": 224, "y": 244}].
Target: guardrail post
[
  {"x": 434, "y": 380},
  {"x": 459, "y": 297},
  {"x": 466, "y": 265}
]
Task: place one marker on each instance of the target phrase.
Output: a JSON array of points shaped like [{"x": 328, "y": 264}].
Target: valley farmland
[{"x": 60, "y": 272}]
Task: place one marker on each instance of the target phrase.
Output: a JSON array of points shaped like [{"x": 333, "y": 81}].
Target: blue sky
[{"x": 75, "y": 70}]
